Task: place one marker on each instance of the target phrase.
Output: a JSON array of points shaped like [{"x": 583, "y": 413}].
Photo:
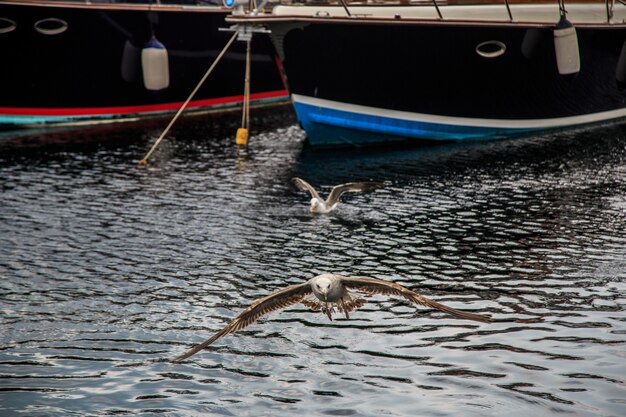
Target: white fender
[
  {"x": 155, "y": 65},
  {"x": 566, "y": 47}
]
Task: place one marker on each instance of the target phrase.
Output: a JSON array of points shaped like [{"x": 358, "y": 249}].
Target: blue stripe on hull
[
  {"x": 331, "y": 127},
  {"x": 23, "y": 121}
]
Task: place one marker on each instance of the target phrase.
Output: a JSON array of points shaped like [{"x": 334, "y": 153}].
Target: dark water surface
[{"x": 108, "y": 270}]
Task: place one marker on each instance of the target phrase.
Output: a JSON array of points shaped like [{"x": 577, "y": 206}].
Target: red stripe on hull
[{"x": 129, "y": 110}]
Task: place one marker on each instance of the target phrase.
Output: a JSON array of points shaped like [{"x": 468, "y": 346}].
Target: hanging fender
[
  {"x": 155, "y": 65},
  {"x": 566, "y": 47}
]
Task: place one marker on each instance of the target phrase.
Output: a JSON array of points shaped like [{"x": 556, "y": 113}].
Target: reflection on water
[{"x": 109, "y": 270}]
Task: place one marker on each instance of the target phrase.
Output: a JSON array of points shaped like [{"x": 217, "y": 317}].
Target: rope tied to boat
[
  {"x": 245, "y": 33},
  {"x": 243, "y": 132},
  {"x": 144, "y": 161}
]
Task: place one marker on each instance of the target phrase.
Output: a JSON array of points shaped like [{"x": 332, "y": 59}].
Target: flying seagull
[
  {"x": 318, "y": 205},
  {"x": 325, "y": 292}
]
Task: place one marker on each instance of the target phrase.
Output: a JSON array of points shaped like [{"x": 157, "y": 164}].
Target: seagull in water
[
  {"x": 318, "y": 205},
  {"x": 325, "y": 292}
]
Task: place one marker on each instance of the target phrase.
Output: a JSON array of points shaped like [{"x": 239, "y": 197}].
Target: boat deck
[{"x": 577, "y": 13}]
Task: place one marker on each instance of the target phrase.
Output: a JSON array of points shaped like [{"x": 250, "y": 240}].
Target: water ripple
[{"x": 109, "y": 271}]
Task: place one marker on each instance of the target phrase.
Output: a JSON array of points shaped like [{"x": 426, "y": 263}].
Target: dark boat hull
[
  {"x": 92, "y": 71},
  {"x": 360, "y": 80}
]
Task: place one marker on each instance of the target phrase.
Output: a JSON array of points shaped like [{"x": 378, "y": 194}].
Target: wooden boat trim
[
  {"x": 407, "y": 22},
  {"x": 117, "y": 6},
  {"x": 405, "y": 15}
]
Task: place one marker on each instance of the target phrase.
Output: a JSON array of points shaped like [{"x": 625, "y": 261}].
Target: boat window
[
  {"x": 490, "y": 49},
  {"x": 7, "y": 25},
  {"x": 51, "y": 26}
]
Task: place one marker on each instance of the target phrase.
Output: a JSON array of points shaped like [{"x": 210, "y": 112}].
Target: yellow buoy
[{"x": 242, "y": 137}]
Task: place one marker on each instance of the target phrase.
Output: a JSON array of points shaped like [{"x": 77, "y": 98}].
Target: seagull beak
[{"x": 329, "y": 312}]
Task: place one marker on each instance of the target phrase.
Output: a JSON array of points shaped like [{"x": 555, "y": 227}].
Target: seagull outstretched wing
[
  {"x": 344, "y": 301},
  {"x": 275, "y": 301},
  {"x": 305, "y": 186},
  {"x": 351, "y": 187},
  {"x": 378, "y": 286}
]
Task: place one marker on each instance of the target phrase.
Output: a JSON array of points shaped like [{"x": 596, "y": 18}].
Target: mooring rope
[
  {"x": 243, "y": 133},
  {"x": 144, "y": 161}
]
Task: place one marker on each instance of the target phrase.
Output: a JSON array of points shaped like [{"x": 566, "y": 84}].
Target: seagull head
[
  {"x": 314, "y": 204},
  {"x": 321, "y": 286}
]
